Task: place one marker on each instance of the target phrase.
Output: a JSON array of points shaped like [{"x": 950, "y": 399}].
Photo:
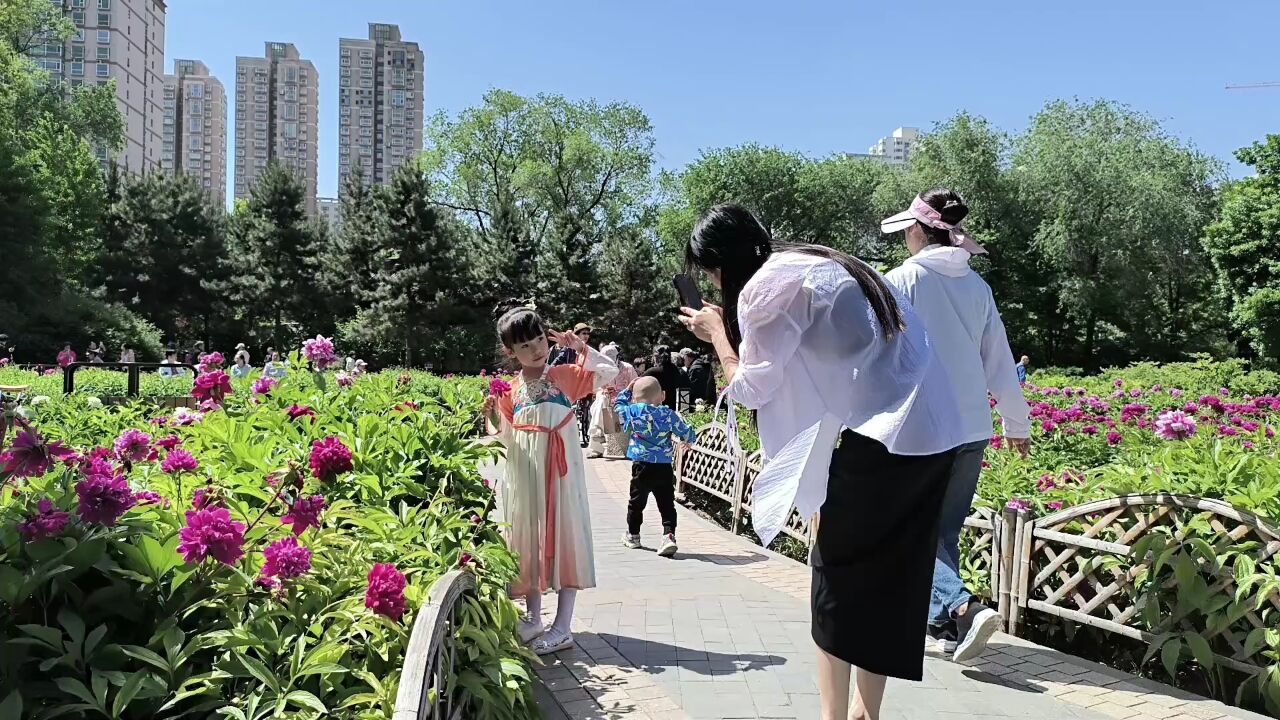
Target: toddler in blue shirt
[{"x": 652, "y": 429}]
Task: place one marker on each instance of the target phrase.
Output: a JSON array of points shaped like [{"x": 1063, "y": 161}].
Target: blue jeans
[{"x": 949, "y": 593}]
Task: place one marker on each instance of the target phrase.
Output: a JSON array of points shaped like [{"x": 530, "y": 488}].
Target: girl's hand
[
  {"x": 569, "y": 340},
  {"x": 490, "y": 405},
  {"x": 706, "y": 324}
]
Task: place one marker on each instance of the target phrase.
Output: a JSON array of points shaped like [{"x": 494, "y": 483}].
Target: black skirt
[{"x": 873, "y": 557}]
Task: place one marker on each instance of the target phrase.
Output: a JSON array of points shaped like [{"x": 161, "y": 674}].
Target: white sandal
[
  {"x": 552, "y": 642},
  {"x": 529, "y": 630}
]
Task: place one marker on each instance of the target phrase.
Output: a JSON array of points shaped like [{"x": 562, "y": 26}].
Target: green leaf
[
  {"x": 10, "y": 586},
  {"x": 91, "y": 642},
  {"x": 1256, "y": 640},
  {"x": 1200, "y": 649},
  {"x": 128, "y": 693},
  {"x": 259, "y": 672},
  {"x": 304, "y": 699},
  {"x": 1169, "y": 655},
  {"x": 1184, "y": 569},
  {"x": 11, "y": 706},
  {"x": 72, "y": 686},
  {"x": 323, "y": 669},
  {"x": 147, "y": 656},
  {"x": 51, "y": 637}
]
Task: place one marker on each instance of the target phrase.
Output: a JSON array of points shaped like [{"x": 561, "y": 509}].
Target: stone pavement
[{"x": 722, "y": 631}]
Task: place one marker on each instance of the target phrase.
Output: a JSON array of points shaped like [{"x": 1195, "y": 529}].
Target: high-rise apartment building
[
  {"x": 896, "y": 149},
  {"x": 379, "y": 103},
  {"x": 330, "y": 210},
  {"x": 121, "y": 40},
  {"x": 277, "y": 118},
  {"x": 195, "y": 127}
]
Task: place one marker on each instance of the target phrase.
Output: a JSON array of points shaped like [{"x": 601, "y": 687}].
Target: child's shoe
[
  {"x": 669, "y": 546},
  {"x": 554, "y": 640},
  {"x": 631, "y": 541},
  {"x": 529, "y": 629}
]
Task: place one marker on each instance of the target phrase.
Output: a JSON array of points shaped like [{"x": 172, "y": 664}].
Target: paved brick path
[{"x": 722, "y": 631}]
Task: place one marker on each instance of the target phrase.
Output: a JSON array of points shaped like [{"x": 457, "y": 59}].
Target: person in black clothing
[
  {"x": 667, "y": 374},
  {"x": 702, "y": 381},
  {"x": 569, "y": 356}
]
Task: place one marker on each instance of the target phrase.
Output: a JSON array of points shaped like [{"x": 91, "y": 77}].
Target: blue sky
[{"x": 814, "y": 76}]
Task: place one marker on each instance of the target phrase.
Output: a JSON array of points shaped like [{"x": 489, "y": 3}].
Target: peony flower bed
[{"x": 263, "y": 557}]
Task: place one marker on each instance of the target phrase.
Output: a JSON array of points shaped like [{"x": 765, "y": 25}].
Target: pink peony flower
[
  {"x": 286, "y": 559},
  {"x": 1018, "y": 504},
  {"x": 1048, "y": 426},
  {"x": 179, "y": 460},
  {"x": 264, "y": 385},
  {"x": 1055, "y": 505},
  {"x": 212, "y": 386},
  {"x": 30, "y": 455},
  {"x": 320, "y": 353},
  {"x": 406, "y": 406},
  {"x": 104, "y": 498},
  {"x": 297, "y": 411},
  {"x": 476, "y": 519},
  {"x": 182, "y": 417},
  {"x": 133, "y": 446},
  {"x": 385, "y": 595},
  {"x": 148, "y": 497},
  {"x": 1114, "y": 438},
  {"x": 465, "y": 560},
  {"x": 269, "y": 584},
  {"x": 1227, "y": 431},
  {"x": 344, "y": 380},
  {"x": 304, "y": 513},
  {"x": 499, "y": 387},
  {"x": 210, "y": 532},
  {"x": 1089, "y": 429},
  {"x": 203, "y": 498},
  {"x": 1176, "y": 393},
  {"x": 1175, "y": 425},
  {"x": 329, "y": 459},
  {"x": 46, "y": 523},
  {"x": 210, "y": 362},
  {"x": 1046, "y": 483},
  {"x": 50, "y": 372},
  {"x": 996, "y": 442}
]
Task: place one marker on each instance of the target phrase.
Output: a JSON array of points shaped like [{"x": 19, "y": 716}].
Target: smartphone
[{"x": 688, "y": 291}]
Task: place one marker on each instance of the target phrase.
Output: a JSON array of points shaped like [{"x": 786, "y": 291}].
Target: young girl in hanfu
[{"x": 544, "y": 492}]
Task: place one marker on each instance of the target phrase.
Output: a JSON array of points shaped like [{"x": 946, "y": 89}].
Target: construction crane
[{"x": 1254, "y": 86}]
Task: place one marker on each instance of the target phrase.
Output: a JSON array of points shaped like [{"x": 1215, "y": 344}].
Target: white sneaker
[
  {"x": 975, "y": 628},
  {"x": 631, "y": 541},
  {"x": 669, "y": 546},
  {"x": 529, "y": 630},
  {"x": 553, "y": 641}
]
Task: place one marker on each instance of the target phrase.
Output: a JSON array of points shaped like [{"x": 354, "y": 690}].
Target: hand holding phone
[{"x": 688, "y": 291}]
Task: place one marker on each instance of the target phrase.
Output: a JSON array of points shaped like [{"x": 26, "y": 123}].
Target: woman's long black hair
[{"x": 730, "y": 239}]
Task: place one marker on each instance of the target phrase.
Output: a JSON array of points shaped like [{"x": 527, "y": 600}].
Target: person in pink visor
[{"x": 966, "y": 331}]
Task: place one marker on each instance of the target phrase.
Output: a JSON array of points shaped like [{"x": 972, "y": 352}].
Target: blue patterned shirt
[{"x": 651, "y": 428}]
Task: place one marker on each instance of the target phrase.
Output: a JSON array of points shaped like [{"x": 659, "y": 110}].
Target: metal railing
[{"x": 134, "y": 371}]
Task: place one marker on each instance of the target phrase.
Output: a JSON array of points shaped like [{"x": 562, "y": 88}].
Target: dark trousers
[{"x": 656, "y": 478}]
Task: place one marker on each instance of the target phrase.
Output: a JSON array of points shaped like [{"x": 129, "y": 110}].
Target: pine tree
[
  {"x": 420, "y": 276},
  {"x": 348, "y": 265},
  {"x": 275, "y": 247},
  {"x": 507, "y": 258},
  {"x": 637, "y": 299}
]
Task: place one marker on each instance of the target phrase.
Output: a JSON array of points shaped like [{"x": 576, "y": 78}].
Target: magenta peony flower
[
  {"x": 286, "y": 559},
  {"x": 104, "y": 498},
  {"x": 1089, "y": 429},
  {"x": 304, "y": 513},
  {"x": 205, "y": 497},
  {"x": 30, "y": 455},
  {"x": 1046, "y": 483},
  {"x": 1119, "y": 383},
  {"x": 264, "y": 386},
  {"x": 465, "y": 560},
  {"x": 298, "y": 411},
  {"x": 1248, "y": 444},
  {"x": 1175, "y": 425},
  {"x": 476, "y": 519},
  {"x": 344, "y": 380},
  {"x": 1055, "y": 505},
  {"x": 498, "y": 387},
  {"x": 169, "y": 443},
  {"x": 212, "y": 386},
  {"x": 1018, "y": 504},
  {"x": 133, "y": 446},
  {"x": 1114, "y": 438},
  {"x": 329, "y": 459},
  {"x": 269, "y": 584},
  {"x": 46, "y": 523},
  {"x": 147, "y": 497},
  {"x": 320, "y": 353},
  {"x": 210, "y": 362},
  {"x": 211, "y": 533},
  {"x": 385, "y": 595},
  {"x": 1175, "y": 393},
  {"x": 1249, "y": 426},
  {"x": 1048, "y": 426},
  {"x": 1227, "y": 431},
  {"x": 179, "y": 460},
  {"x": 406, "y": 406}
]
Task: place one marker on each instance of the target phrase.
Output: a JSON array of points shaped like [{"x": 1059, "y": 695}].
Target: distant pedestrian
[
  {"x": 275, "y": 367},
  {"x": 1023, "y": 366},
  {"x": 241, "y": 368},
  {"x": 67, "y": 356},
  {"x": 567, "y": 355},
  {"x": 96, "y": 351},
  {"x": 126, "y": 354},
  {"x": 667, "y": 374},
  {"x": 170, "y": 358},
  {"x": 241, "y": 350}
]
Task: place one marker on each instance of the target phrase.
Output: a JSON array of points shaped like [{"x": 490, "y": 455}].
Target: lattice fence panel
[
  {"x": 797, "y": 526},
  {"x": 979, "y": 552},
  {"x": 710, "y": 465},
  {"x": 1089, "y": 564}
]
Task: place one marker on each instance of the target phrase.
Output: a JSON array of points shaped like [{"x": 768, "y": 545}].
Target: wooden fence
[
  {"x": 430, "y": 656},
  {"x": 1080, "y": 564}
]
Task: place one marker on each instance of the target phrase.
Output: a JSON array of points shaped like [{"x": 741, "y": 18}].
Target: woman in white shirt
[
  {"x": 965, "y": 328},
  {"x": 275, "y": 367},
  {"x": 856, "y": 418}
]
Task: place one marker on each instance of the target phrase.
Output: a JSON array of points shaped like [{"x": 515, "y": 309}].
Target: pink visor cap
[{"x": 920, "y": 212}]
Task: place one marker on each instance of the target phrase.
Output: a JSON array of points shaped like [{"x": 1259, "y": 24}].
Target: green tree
[
  {"x": 274, "y": 246},
  {"x": 1243, "y": 242},
  {"x": 348, "y": 265},
  {"x": 575, "y": 170},
  {"x": 1121, "y": 206},
  {"x": 420, "y": 277},
  {"x": 637, "y": 292}
]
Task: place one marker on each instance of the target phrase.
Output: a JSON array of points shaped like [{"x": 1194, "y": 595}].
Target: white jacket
[{"x": 966, "y": 332}]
